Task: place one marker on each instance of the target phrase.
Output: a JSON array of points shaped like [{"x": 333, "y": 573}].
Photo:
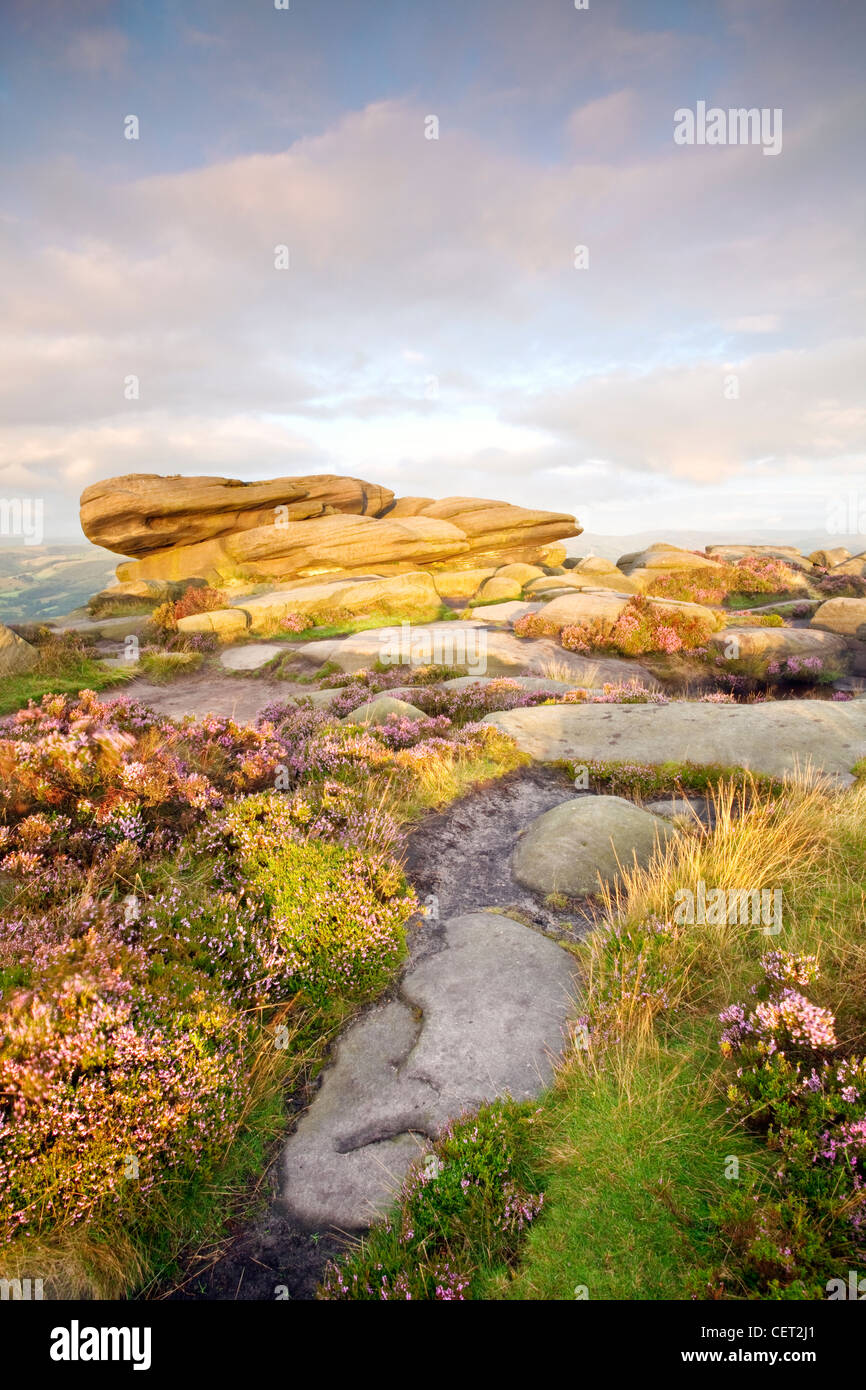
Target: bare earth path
[{"x": 212, "y": 692}]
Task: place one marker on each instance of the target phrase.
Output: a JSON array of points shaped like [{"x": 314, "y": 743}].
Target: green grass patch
[{"x": 83, "y": 674}]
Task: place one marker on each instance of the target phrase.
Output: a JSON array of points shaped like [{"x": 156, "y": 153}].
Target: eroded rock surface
[{"x": 482, "y": 1017}]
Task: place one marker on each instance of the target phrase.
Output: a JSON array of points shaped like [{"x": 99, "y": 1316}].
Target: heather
[
  {"x": 754, "y": 574},
  {"x": 188, "y": 912},
  {"x": 641, "y": 627}
]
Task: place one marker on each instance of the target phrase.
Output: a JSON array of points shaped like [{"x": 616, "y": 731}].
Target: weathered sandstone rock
[
  {"x": 843, "y": 615},
  {"x": 577, "y": 846},
  {"x": 142, "y": 512}
]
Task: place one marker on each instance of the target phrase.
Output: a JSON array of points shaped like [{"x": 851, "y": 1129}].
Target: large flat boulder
[
  {"x": 144, "y": 512},
  {"x": 577, "y": 846},
  {"x": 773, "y": 738},
  {"x": 176, "y": 528},
  {"x": 483, "y": 1018}
]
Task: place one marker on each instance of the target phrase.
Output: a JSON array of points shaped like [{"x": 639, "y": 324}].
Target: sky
[{"x": 700, "y": 363}]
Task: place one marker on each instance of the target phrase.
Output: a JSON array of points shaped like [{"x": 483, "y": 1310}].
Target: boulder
[
  {"x": 778, "y": 738},
  {"x": 17, "y": 657},
  {"x": 770, "y": 644},
  {"x": 457, "y": 584},
  {"x": 827, "y": 559},
  {"x": 664, "y": 557},
  {"x": 603, "y": 573},
  {"x": 500, "y": 589},
  {"x": 730, "y": 554},
  {"x": 549, "y": 583},
  {"x": 144, "y": 512},
  {"x": 572, "y": 609},
  {"x": 555, "y": 555},
  {"x": 522, "y": 573},
  {"x": 599, "y": 605},
  {"x": 584, "y": 842},
  {"x": 225, "y": 622},
  {"x": 846, "y": 616},
  {"x": 250, "y": 656},
  {"x": 176, "y": 528},
  {"x": 381, "y": 710},
  {"x": 856, "y": 566}
]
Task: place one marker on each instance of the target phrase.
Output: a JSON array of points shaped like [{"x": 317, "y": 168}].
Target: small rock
[
  {"x": 383, "y": 709},
  {"x": 501, "y": 588},
  {"x": 16, "y": 655},
  {"x": 251, "y": 655},
  {"x": 570, "y": 847}
]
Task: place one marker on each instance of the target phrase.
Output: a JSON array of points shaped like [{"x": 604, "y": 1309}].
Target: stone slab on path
[
  {"x": 251, "y": 655},
  {"x": 483, "y": 1017},
  {"x": 468, "y": 645},
  {"x": 769, "y": 738}
]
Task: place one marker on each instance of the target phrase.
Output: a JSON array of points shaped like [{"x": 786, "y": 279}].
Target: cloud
[
  {"x": 97, "y": 51},
  {"x": 451, "y": 259}
]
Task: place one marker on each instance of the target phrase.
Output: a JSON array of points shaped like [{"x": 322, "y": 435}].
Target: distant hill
[{"x": 46, "y": 581}]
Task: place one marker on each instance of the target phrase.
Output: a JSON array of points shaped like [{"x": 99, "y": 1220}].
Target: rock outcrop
[
  {"x": 140, "y": 513},
  {"x": 301, "y": 528}
]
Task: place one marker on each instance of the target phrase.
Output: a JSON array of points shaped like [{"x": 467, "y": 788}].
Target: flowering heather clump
[
  {"x": 754, "y": 574},
  {"x": 406, "y": 733},
  {"x": 632, "y": 692},
  {"x": 810, "y": 1103},
  {"x": 198, "y": 600},
  {"x": 842, "y": 586},
  {"x": 536, "y": 625},
  {"x": 803, "y": 668},
  {"x": 641, "y": 627},
  {"x": 166, "y": 886},
  {"x": 204, "y": 642},
  {"x": 462, "y": 704},
  {"x": 470, "y": 1193},
  {"x": 296, "y": 622},
  {"x": 95, "y": 1071}
]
